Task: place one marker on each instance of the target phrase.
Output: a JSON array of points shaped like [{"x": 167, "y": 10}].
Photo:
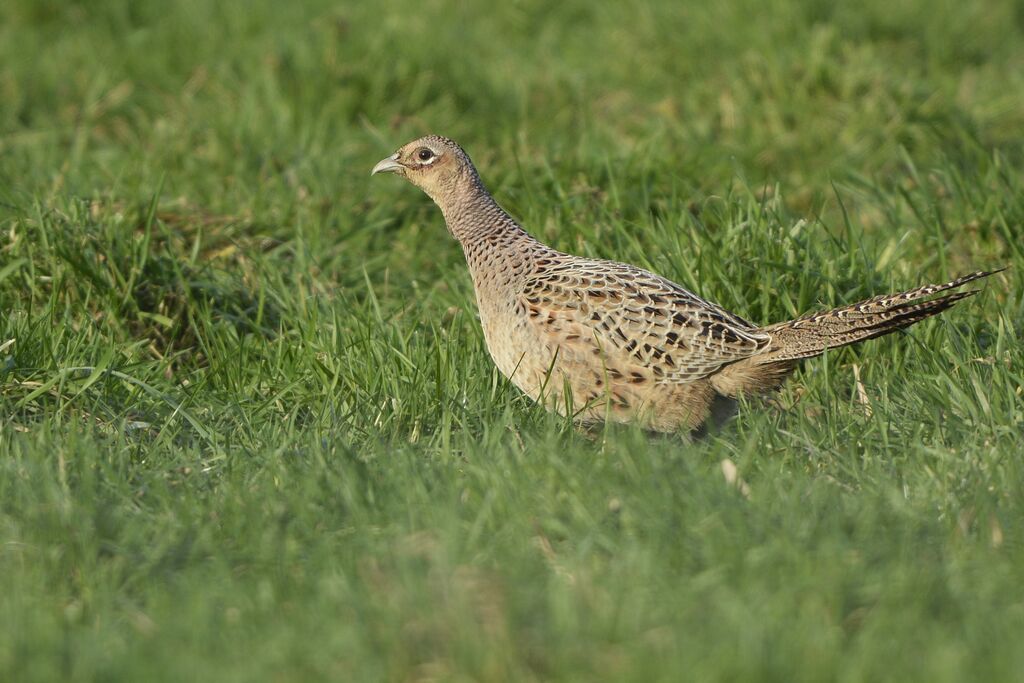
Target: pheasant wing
[{"x": 638, "y": 319}]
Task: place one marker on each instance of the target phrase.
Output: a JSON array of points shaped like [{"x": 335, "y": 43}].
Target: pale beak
[{"x": 389, "y": 165}]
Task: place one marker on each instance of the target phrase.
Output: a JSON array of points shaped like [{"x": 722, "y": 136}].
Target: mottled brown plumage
[{"x": 610, "y": 341}]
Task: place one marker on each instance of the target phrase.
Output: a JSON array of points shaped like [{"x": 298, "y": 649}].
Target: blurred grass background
[{"x": 248, "y": 426}]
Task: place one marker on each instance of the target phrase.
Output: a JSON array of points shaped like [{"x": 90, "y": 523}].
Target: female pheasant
[{"x": 609, "y": 341}]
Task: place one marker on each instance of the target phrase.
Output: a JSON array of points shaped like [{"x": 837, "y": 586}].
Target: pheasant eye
[{"x": 424, "y": 154}]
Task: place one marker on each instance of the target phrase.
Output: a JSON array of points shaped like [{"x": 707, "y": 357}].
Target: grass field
[{"x": 248, "y": 426}]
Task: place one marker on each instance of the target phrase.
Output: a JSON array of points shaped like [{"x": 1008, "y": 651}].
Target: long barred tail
[{"x": 813, "y": 334}]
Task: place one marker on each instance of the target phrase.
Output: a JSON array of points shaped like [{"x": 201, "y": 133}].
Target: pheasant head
[{"x": 436, "y": 165}]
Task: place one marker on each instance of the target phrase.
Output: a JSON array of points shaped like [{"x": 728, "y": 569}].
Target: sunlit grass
[{"x": 249, "y": 428}]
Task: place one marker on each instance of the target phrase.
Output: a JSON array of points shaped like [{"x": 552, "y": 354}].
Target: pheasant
[{"x": 602, "y": 340}]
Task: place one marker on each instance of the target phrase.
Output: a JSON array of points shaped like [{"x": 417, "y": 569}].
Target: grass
[{"x": 248, "y": 426}]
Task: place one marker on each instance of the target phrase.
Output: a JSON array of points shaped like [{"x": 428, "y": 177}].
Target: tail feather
[{"x": 813, "y": 334}]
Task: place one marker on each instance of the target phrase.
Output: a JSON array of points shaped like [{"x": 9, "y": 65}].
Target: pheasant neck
[{"x": 472, "y": 215}]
